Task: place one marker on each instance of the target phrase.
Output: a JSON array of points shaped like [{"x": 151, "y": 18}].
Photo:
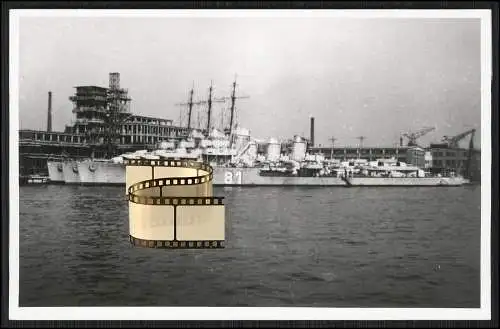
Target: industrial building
[
  {"x": 371, "y": 153},
  {"x": 436, "y": 158},
  {"x": 102, "y": 118}
]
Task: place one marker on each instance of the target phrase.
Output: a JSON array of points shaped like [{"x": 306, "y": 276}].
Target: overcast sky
[{"x": 369, "y": 77}]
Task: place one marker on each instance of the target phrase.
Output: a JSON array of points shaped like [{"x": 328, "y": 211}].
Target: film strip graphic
[{"x": 171, "y": 204}]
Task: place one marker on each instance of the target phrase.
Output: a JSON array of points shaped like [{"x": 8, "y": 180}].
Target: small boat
[{"x": 34, "y": 179}]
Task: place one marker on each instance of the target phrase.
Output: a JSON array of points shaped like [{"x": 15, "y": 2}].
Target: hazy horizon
[{"x": 358, "y": 77}]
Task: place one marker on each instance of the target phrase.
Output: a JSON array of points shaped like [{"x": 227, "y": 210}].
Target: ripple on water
[{"x": 322, "y": 247}]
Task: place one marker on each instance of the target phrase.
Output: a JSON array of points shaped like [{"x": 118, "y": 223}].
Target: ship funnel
[
  {"x": 49, "y": 113},
  {"x": 312, "y": 133}
]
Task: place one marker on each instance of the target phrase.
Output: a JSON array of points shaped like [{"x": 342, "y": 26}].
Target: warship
[
  {"x": 241, "y": 165},
  {"x": 238, "y": 159}
]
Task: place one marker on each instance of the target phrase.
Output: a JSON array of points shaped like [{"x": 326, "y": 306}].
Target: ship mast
[
  {"x": 190, "y": 104},
  {"x": 209, "y": 106},
  {"x": 190, "y": 107},
  {"x": 233, "y": 99},
  {"x": 209, "y": 102}
]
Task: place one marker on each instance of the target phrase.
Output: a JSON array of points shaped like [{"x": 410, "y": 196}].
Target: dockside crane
[
  {"x": 413, "y": 136},
  {"x": 453, "y": 141}
]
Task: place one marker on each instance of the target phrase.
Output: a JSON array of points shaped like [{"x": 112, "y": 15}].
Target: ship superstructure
[{"x": 215, "y": 146}]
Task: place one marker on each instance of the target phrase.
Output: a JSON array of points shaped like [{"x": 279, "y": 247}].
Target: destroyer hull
[
  {"x": 55, "y": 169},
  {"x": 108, "y": 173},
  {"x": 251, "y": 177},
  {"x": 101, "y": 173},
  {"x": 407, "y": 181},
  {"x": 70, "y": 172}
]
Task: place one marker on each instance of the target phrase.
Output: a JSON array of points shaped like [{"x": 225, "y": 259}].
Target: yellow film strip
[{"x": 171, "y": 204}]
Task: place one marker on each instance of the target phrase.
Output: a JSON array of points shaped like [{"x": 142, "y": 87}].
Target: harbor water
[{"x": 285, "y": 246}]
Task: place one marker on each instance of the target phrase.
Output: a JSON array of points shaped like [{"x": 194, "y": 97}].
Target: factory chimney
[
  {"x": 401, "y": 141},
  {"x": 311, "y": 141},
  {"x": 49, "y": 113}
]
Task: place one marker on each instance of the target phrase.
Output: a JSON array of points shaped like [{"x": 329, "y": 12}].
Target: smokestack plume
[
  {"x": 49, "y": 113},
  {"x": 312, "y": 132}
]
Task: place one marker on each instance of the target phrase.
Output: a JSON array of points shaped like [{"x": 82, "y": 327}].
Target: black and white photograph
[{"x": 250, "y": 164}]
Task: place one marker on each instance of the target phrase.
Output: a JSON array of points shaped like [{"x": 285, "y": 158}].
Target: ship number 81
[{"x": 231, "y": 178}]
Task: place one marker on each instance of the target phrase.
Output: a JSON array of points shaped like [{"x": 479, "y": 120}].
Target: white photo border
[{"x": 251, "y": 313}]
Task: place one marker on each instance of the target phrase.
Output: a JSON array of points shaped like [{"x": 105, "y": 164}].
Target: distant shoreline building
[{"x": 435, "y": 158}]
